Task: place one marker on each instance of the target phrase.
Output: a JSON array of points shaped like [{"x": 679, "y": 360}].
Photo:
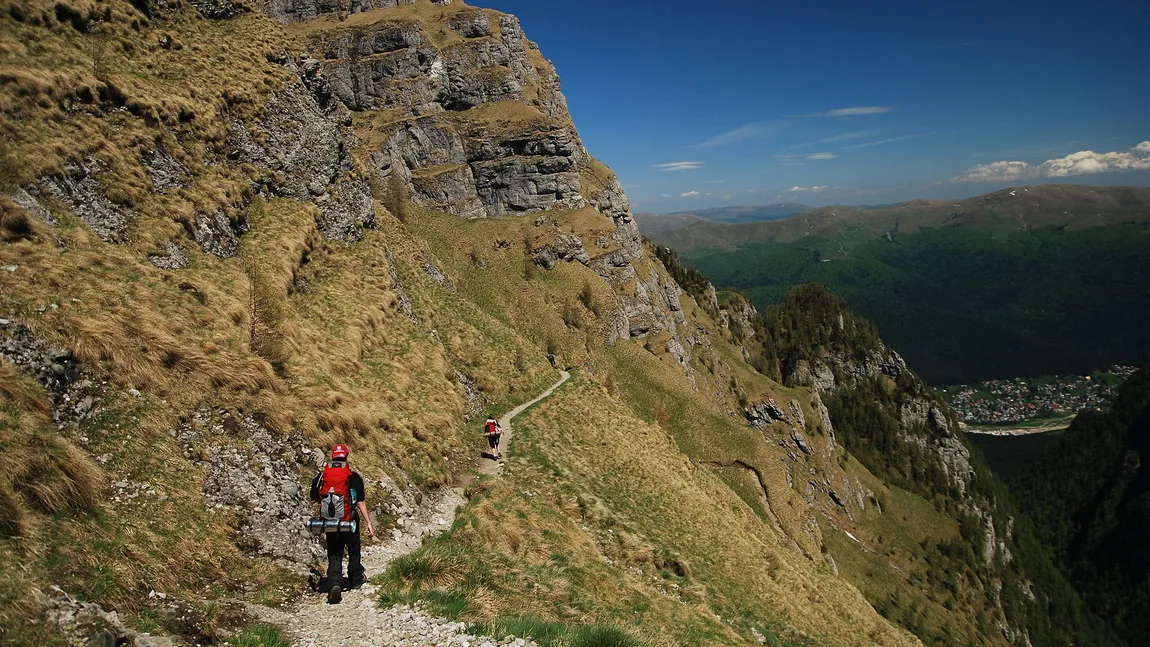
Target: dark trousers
[{"x": 336, "y": 542}]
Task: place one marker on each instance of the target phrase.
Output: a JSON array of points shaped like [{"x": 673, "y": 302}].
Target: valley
[{"x": 1041, "y": 280}]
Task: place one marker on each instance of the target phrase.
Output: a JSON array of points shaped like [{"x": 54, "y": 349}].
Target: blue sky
[{"x": 850, "y": 102}]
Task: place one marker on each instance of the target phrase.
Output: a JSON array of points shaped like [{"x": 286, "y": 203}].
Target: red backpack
[
  {"x": 491, "y": 428},
  {"x": 334, "y": 498}
]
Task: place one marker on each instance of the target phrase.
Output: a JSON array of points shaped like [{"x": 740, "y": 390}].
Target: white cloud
[
  {"x": 812, "y": 189},
  {"x": 690, "y": 194},
  {"x": 821, "y": 156},
  {"x": 678, "y": 166},
  {"x": 886, "y": 141},
  {"x": 841, "y": 137},
  {"x": 858, "y": 111},
  {"x": 749, "y": 131},
  {"x": 792, "y": 163},
  {"x": 1080, "y": 163},
  {"x": 854, "y": 111}
]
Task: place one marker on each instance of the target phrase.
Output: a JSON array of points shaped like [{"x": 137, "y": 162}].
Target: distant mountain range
[
  {"x": 1028, "y": 280},
  {"x": 729, "y": 215}
]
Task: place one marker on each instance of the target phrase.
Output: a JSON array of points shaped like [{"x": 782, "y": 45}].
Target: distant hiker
[
  {"x": 493, "y": 432},
  {"x": 343, "y": 505},
  {"x": 551, "y": 358}
]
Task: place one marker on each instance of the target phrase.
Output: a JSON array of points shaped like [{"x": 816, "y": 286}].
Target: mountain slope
[
  {"x": 229, "y": 242},
  {"x": 731, "y": 215},
  {"x": 235, "y": 234},
  {"x": 1067, "y": 207}
]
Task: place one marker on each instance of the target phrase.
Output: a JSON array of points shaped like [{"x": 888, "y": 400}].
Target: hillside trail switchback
[{"x": 358, "y": 621}]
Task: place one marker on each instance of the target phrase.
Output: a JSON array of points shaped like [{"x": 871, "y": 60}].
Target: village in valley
[{"x": 1034, "y": 399}]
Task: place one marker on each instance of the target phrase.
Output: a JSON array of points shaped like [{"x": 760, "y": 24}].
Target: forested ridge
[{"x": 1089, "y": 499}]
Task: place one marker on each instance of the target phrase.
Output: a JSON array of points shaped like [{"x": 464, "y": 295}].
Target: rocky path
[
  {"x": 358, "y": 621},
  {"x": 493, "y": 467}
]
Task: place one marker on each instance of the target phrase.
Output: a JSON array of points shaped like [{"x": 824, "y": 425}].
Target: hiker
[
  {"x": 339, "y": 491},
  {"x": 493, "y": 432}
]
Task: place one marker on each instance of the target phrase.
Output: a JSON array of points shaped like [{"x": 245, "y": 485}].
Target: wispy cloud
[
  {"x": 717, "y": 182},
  {"x": 821, "y": 156},
  {"x": 678, "y": 166},
  {"x": 1080, "y": 163},
  {"x": 792, "y": 163},
  {"x": 854, "y": 111},
  {"x": 887, "y": 141},
  {"x": 834, "y": 139},
  {"x": 742, "y": 133},
  {"x": 810, "y": 189},
  {"x": 689, "y": 194}
]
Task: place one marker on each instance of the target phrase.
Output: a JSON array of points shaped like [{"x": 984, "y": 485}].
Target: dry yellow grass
[{"x": 611, "y": 512}]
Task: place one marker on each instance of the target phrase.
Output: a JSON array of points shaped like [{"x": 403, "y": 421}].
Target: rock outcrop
[
  {"x": 762, "y": 414},
  {"x": 476, "y": 126},
  {"x": 308, "y": 148},
  {"x": 259, "y": 481},
  {"x": 74, "y": 395},
  {"x": 78, "y": 188}
]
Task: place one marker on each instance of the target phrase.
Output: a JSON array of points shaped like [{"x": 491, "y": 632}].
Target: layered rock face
[
  {"x": 924, "y": 421},
  {"x": 519, "y": 154},
  {"x": 468, "y": 115}
]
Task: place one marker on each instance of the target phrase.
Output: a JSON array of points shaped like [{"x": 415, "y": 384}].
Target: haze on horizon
[{"x": 849, "y": 103}]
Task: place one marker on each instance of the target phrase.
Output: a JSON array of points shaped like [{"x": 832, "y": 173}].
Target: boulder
[
  {"x": 173, "y": 258},
  {"x": 472, "y": 23},
  {"x": 217, "y": 234},
  {"x": 30, "y": 204},
  {"x": 764, "y": 413},
  {"x": 801, "y": 441},
  {"x": 166, "y": 173}
]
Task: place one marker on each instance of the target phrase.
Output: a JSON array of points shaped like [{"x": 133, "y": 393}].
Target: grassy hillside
[
  {"x": 228, "y": 243},
  {"x": 996, "y": 286},
  {"x": 210, "y": 275}
]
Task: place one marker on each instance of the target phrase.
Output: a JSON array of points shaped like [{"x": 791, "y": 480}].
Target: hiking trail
[{"x": 358, "y": 621}]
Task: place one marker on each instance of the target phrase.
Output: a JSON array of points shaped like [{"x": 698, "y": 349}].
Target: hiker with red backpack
[
  {"x": 343, "y": 505},
  {"x": 493, "y": 432}
]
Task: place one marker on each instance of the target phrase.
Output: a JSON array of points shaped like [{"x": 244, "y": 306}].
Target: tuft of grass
[
  {"x": 15, "y": 223},
  {"x": 41, "y": 473},
  {"x": 557, "y": 634},
  {"x": 260, "y": 635},
  {"x": 396, "y": 197}
]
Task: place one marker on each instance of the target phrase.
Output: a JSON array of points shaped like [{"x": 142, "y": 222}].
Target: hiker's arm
[
  {"x": 366, "y": 516},
  {"x": 313, "y": 493}
]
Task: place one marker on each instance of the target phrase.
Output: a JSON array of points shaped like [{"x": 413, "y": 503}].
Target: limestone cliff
[{"x": 465, "y": 111}]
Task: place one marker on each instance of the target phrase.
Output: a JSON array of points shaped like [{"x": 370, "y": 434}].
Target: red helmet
[{"x": 339, "y": 451}]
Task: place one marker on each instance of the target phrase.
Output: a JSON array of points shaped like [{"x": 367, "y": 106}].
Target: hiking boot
[{"x": 335, "y": 595}]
